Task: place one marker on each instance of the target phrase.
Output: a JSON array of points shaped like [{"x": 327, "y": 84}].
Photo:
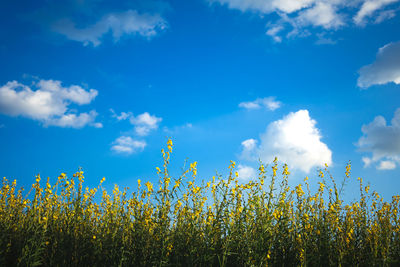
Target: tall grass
[{"x": 181, "y": 222}]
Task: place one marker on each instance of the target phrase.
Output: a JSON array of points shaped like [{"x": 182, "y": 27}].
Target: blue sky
[{"x": 101, "y": 85}]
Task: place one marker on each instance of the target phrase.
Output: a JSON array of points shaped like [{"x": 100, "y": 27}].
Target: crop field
[{"x": 185, "y": 221}]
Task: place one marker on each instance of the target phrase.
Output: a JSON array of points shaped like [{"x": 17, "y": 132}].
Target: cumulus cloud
[
  {"x": 296, "y": 16},
  {"x": 75, "y": 121},
  {"x": 246, "y": 172},
  {"x": 383, "y": 141},
  {"x": 118, "y": 24},
  {"x": 144, "y": 123},
  {"x": 385, "y": 69},
  {"x": 386, "y": 165},
  {"x": 49, "y": 103},
  {"x": 295, "y": 140},
  {"x": 267, "y": 102},
  {"x": 127, "y": 145}
]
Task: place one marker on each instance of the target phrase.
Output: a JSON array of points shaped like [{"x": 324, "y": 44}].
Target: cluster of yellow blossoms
[{"x": 180, "y": 222}]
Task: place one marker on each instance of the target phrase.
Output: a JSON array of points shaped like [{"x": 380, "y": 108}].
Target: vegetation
[{"x": 181, "y": 222}]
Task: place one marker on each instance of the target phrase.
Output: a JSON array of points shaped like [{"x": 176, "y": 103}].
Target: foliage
[{"x": 184, "y": 223}]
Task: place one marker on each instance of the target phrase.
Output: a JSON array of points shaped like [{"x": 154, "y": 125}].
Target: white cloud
[
  {"x": 294, "y": 140},
  {"x": 385, "y": 69},
  {"x": 125, "y": 23},
  {"x": 267, "y": 102},
  {"x": 267, "y": 6},
  {"x": 321, "y": 14},
  {"x": 75, "y": 121},
  {"x": 382, "y": 140},
  {"x": 249, "y": 144},
  {"x": 127, "y": 145},
  {"x": 49, "y": 103},
  {"x": 73, "y": 93},
  {"x": 248, "y": 148},
  {"x": 369, "y": 7},
  {"x": 246, "y": 173},
  {"x": 144, "y": 123},
  {"x": 367, "y": 161},
  {"x": 386, "y": 165},
  {"x": 274, "y": 31},
  {"x": 296, "y": 16}
]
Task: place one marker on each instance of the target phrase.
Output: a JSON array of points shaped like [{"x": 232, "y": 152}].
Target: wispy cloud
[
  {"x": 385, "y": 69},
  {"x": 369, "y": 8},
  {"x": 49, "y": 103},
  {"x": 126, "y": 23},
  {"x": 267, "y": 102},
  {"x": 297, "y": 17},
  {"x": 178, "y": 128},
  {"x": 122, "y": 116},
  {"x": 268, "y": 6},
  {"x": 382, "y": 141},
  {"x": 294, "y": 139}
]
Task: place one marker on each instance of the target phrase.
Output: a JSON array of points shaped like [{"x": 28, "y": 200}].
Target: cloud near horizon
[
  {"x": 294, "y": 139},
  {"x": 49, "y": 103}
]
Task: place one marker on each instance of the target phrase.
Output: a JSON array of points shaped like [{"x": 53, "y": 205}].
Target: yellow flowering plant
[{"x": 181, "y": 222}]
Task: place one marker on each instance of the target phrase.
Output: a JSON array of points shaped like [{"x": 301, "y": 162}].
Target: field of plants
[{"x": 185, "y": 221}]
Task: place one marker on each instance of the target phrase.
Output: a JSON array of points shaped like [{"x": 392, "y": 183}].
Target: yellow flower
[{"x": 169, "y": 145}]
